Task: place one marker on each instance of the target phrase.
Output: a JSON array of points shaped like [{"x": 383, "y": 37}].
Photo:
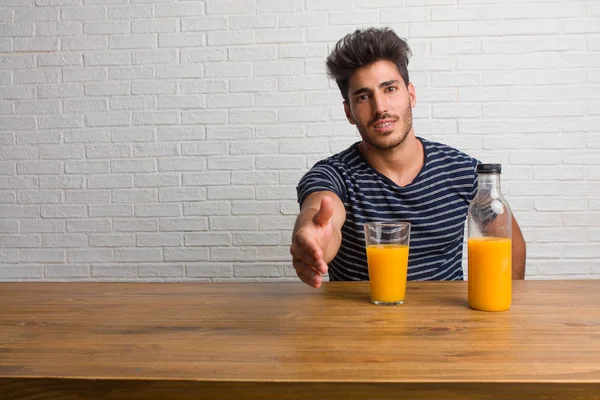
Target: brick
[
  {"x": 106, "y": 28},
  {"x": 83, "y": 13},
  {"x": 280, "y": 162},
  {"x": 111, "y": 210},
  {"x": 19, "y": 241},
  {"x": 179, "y": 10},
  {"x": 36, "y": 76},
  {"x": 63, "y": 211},
  {"x": 230, "y": 162},
  {"x": 257, "y": 271},
  {"x": 181, "y": 164},
  {"x": 159, "y": 239},
  {"x": 253, "y": 147},
  {"x": 154, "y": 87},
  {"x": 259, "y": 53},
  {"x": 181, "y": 254},
  {"x": 161, "y": 270},
  {"x": 16, "y": 29},
  {"x": 287, "y": 99},
  {"x": 207, "y": 239},
  {"x": 181, "y": 101},
  {"x": 232, "y": 192},
  {"x": 226, "y": 38},
  {"x": 204, "y": 148},
  {"x": 194, "y": 24},
  {"x": 131, "y": 73},
  {"x": 259, "y": 239},
  {"x": 154, "y": 57},
  {"x": 89, "y": 74},
  {"x": 80, "y": 43},
  {"x": 22, "y": 271},
  {"x": 135, "y": 225},
  {"x": 132, "y": 134},
  {"x": 114, "y": 271},
  {"x": 274, "y": 253},
  {"x": 17, "y": 123},
  {"x": 280, "y": 35},
  {"x": 156, "y": 180},
  {"x": 229, "y": 7},
  {"x": 14, "y": 93},
  {"x": 516, "y": 27},
  {"x": 285, "y": 131},
  {"x": 66, "y": 271},
  {"x": 253, "y": 85},
  {"x": 134, "y": 196},
  {"x": 155, "y": 150},
  {"x": 206, "y": 208},
  {"x": 132, "y": 102},
  {"x": 107, "y": 89},
  {"x": 155, "y": 118},
  {"x": 206, "y": 178},
  {"x": 90, "y": 255},
  {"x": 188, "y": 224},
  {"x": 109, "y": 151},
  {"x": 203, "y": 86},
  {"x": 56, "y": 122},
  {"x": 180, "y": 195},
  {"x": 39, "y": 167},
  {"x": 64, "y": 90},
  {"x": 107, "y": 58},
  {"x": 180, "y": 133},
  {"x": 270, "y": 223},
  {"x": 282, "y": 68},
  {"x": 212, "y": 270},
  {"x": 61, "y": 182},
  {"x": 303, "y": 115},
  {"x": 560, "y": 204},
  {"x": 204, "y": 54},
  {"x": 204, "y": 117},
  {"x": 130, "y": 12},
  {"x": 88, "y": 225},
  {"x": 42, "y": 226},
  {"x": 138, "y": 255},
  {"x": 227, "y": 70},
  {"x": 254, "y": 208},
  {"x": 580, "y": 25},
  {"x": 304, "y": 19},
  {"x": 253, "y": 21},
  {"x": 301, "y": 83},
  {"x": 280, "y": 192},
  {"x": 64, "y": 240},
  {"x": 239, "y": 223},
  {"x": 9, "y": 256},
  {"x": 255, "y": 116},
  {"x": 7, "y": 197},
  {"x": 230, "y": 100},
  {"x": 188, "y": 39},
  {"x": 254, "y": 177},
  {"x": 10, "y": 225},
  {"x": 35, "y": 44},
  {"x": 132, "y": 41},
  {"x": 233, "y": 254},
  {"x": 39, "y": 197},
  {"x": 159, "y": 210}
]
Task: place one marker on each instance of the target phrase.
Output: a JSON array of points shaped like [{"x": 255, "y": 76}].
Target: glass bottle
[{"x": 489, "y": 244}]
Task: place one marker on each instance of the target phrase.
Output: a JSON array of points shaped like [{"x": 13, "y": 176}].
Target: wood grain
[{"x": 288, "y": 341}]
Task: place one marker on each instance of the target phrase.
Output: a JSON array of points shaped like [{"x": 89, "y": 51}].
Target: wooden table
[{"x": 289, "y": 341}]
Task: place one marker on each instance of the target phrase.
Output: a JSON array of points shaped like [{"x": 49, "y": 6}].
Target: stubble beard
[{"x": 406, "y": 121}]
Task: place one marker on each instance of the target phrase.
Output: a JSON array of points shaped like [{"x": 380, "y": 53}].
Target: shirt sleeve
[{"x": 321, "y": 177}]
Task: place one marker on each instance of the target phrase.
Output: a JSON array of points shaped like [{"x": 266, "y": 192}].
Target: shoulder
[{"x": 442, "y": 153}]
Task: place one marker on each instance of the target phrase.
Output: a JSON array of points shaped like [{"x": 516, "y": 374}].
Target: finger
[
  {"x": 307, "y": 274},
  {"x": 311, "y": 252},
  {"x": 325, "y": 212}
]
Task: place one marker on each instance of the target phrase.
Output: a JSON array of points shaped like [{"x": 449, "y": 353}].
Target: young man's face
[{"x": 380, "y": 105}]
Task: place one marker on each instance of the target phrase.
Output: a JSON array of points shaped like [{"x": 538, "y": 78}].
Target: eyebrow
[{"x": 381, "y": 85}]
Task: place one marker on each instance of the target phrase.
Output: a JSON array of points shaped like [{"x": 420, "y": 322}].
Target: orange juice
[
  {"x": 490, "y": 273},
  {"x": 388, "y": 264}
]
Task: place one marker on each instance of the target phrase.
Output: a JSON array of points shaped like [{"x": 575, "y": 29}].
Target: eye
[
  {"x": 362, "y": 97},
  {"x": 391, "y": 89}
]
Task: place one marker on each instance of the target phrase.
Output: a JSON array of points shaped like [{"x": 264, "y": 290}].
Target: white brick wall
[{"x": 163, "y": 139}]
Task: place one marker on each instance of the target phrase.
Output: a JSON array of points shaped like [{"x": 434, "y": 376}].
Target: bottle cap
[{"x": 489, "y": 168}]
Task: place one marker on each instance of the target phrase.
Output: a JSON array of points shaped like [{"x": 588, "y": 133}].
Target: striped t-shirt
[{"x": 435, "y": 204}]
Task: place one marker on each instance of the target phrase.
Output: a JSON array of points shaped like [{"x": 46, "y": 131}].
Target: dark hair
[{"x": 364, "y": 47}]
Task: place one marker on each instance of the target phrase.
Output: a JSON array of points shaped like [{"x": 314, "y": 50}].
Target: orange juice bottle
[{"x": 489, "y": 244}]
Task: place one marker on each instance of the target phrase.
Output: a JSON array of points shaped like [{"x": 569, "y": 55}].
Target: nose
[{"x": 379, "y": 104}]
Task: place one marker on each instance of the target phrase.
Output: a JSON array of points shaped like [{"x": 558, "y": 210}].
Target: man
[{"x": 390, "y": 175}]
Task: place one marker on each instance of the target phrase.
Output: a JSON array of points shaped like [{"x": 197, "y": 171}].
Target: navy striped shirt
[{"x": 435, "y": 204}]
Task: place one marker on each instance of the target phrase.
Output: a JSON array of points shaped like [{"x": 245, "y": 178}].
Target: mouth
[{"x": 383, "y": 125}]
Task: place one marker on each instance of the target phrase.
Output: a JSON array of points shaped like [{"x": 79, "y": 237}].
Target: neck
[{"x": 401, "y": 164}]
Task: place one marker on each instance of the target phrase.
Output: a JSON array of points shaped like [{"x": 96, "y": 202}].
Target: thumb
[{"x": 325, "y": 212}]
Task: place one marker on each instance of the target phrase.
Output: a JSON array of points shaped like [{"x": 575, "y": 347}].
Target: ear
[
  {"x": 349, "y": 113},
  {"x": 412, "y": 94}
]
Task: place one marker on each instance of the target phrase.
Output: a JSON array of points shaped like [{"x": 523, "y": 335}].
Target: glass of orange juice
[{"x": 387, "y": 257}]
